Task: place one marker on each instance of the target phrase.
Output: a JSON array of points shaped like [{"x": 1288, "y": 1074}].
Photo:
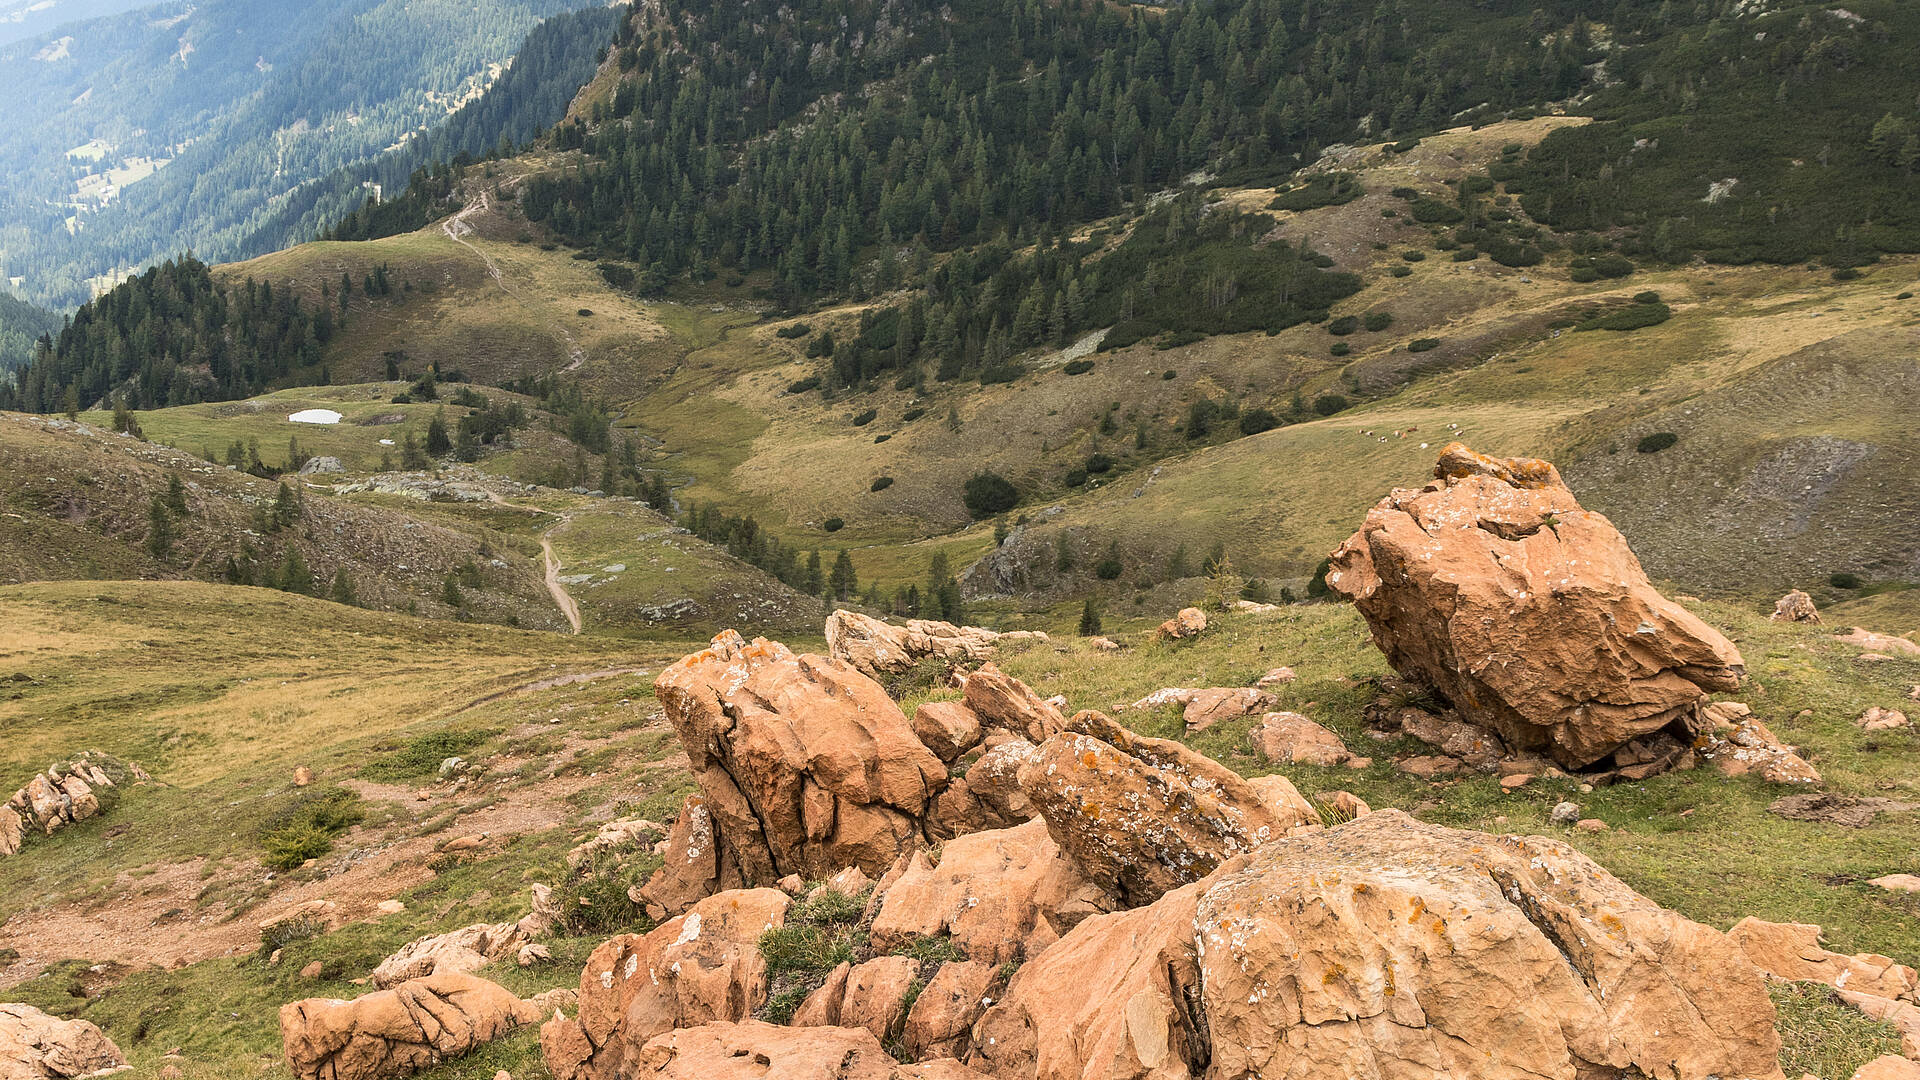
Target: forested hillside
[
  {"x": 22, "y": 324},
  {"x": 203, "y": 127}
]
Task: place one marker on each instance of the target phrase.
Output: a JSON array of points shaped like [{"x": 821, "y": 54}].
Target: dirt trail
[
  {"x": 456, "y": 228},
  {"x": 560, "y": 596}
]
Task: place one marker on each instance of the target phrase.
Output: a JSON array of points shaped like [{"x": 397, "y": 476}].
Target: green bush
[
  {"x": 1425, "y": 344},
  {"x": 1344, "y": 325},
  {"x": 1844, "y": 580},
  {"x": 1179, "y": 338},
  {"x": 1613, "y": 266},
  {"x": 1327, "y": 189},
  {"x": 833, "y": 524},
  {"x": 1099, "y": 464},
  {"x": 1631, "y": 317},
  {"x": 1656, "y": 442},
  {"x": 1340, "y": 348},
  {"x": 911, "y": 415},
  {"x": 1328, "y": 404},
  {"x": 1377, "y": 321},
  {"x": 1846, "y": 273},
  {"x": 1255, "y": 421},
  {"x": 1415, "y": 255},
  {"x": 865, "y": 417},
  {"x": 422, "y": 755},
  {"x": 1169, "y": 375},
  {"x": 1075, "y": 477},
  {"x": 881, "y": 483},
  {"x": 305, "y": 830},
  {"x": 1078, "y": 367},
  {"x": 1401, "y": 271},
  {"x": 801, "y": 386},
  {"x": 595, "y": 897},
  {"x": 793, "y": 330},
  {"x": 1582, "y": 275},
  {"x": 1108, "y": 569},
  {"x": 1434, "y": 212},
  {"x": 987, "y": 494},
  {"x": 1466, "y": 254},
  {"x": 883, "y": 437}
]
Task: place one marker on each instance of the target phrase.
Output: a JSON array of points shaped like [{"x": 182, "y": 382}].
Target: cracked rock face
[
  {"x": 34, "y": 1045},
  {"x": 1391, "y": 948},
  {"x": 400, "y": 1031},
  {"x": 1141, "y": 816},
  {"x": 1530, "y": 614},
  {"x": 1394, "y": 950},
  {"x": 805, "y": 764}
]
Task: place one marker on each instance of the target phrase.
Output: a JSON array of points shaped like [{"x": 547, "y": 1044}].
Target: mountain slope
[{"x": 202, "y": 128}]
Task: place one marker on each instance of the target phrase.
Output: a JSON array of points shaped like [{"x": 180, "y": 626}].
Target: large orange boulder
[
  {"x": 702, "y": 966},
  {"x": 35, "y": 1046},
  {"x": 1391, "y": 948},
  {"x": 396, "y": 1032},
  {"x": 1141, "y": 816},
  {"x": 805, "y": 764},
  {"x": 1492, "y": 586},
  {"x": 1394, "y": 950},
  {"x": 878, "y": 649}
]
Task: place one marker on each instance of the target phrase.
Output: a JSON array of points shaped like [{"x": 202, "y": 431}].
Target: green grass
[{"x": 1822, "y": 1036}]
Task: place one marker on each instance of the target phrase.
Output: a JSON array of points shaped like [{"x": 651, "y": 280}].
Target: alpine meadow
[{"x": 1002, "y": 540}]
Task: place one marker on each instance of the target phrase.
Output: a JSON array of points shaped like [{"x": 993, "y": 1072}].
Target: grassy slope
[
  {"x": 707, "y": 382},
  {"x": 205, "y": 729},
  {"x": 76, "y": 506}
]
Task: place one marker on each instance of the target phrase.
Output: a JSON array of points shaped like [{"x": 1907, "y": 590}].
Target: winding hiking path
[
  {"x": 456, "y": 228},
  {"x": 568, "y": 606}
]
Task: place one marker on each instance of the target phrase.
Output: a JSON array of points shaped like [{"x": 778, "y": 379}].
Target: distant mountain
[
  {"x": 179, "y": 126},
  {"x": 21, "y": 19}
]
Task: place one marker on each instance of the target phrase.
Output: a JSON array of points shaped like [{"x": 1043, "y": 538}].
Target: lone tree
[
  {"x": 987, "y": 494},
  {"x": 159, "y": 528},
  {"x": 1089, "y": 618}
]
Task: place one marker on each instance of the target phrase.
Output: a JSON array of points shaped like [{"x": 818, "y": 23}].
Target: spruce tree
[
  {"x": 159, "y": 528},
  {"x": 343, "y": 591},
  {"x": 294, "y": 577},
  {"x": 438, "y": 444},
  {"x": 1089, "y": 618},
  {"x": 842, "y": 582},
  {"x": 176, "y": 497}
]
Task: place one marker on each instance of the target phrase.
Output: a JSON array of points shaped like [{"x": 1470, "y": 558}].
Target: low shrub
[
  {"x": 881, "y": 483},
  {"x": 1632, "y": 317},
  {"x": 801, "y": 386},
  {"x": 1844, "y": 580},
  {"x": 1255, "y": 421},
  {"x": 865, "y": 417},
  {"x": 305, "y": 830},
  {"x": 1179, "y": 338},
  {"x": 422, "y": 755},
  {"x": 793, "y": 330},
  {"x": 1340, "y": 348},
  {"x": 1078, "y": 367},
  {"x": 833, "y": 524},
  {"x": 912, "y": 414},
  {"x": 1377, "y": 321},
  {"x": 882, "y": 437},
  {"x": 1401, "y": 271},
  {"x": 1075, "y": 477},
  {"x": 987, "y": 494},
  {"x": 1099, "y": 464},
  {"x": 1656, "y": 442},
  {"x": 1434, "y": 212},
  {"x": 1415, "y": 255},
  {"x": 1425, "y": 344},
  {"x": 1328, "y": 404},
  {"x": 1344, "y": 325},
  {"x": 1466, "y": 254}
]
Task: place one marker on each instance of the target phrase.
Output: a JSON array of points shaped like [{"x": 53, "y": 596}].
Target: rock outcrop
[
  {"x": 1287, "y": 738},
  {"x": 1792, "y": 951},
  {"x": 702, "y": 966},
  {"x": 998, "y": 896},
  {"x": 752, "y": 1050},
  {"x": 1796, "y": 606},
  {"x": 1186, "y": 623},
  {"x": 1005, "y": 704},
  {"x": 1390, "y": 949},
  {"x": 806, "y": 766},
  {"x": 464, "y": 950},
  {"x": 879, "y": 649},
  {"x": 400, "y": 1031},
  {"x": 35, "y": 1046},
  {"x": 1529, "y": 614},
  {"x": 1737, "y": 744},
  {"x": 69, "y": 791},
  {"x": 1141, "y": 816},
  {"x": 691, "y": 866}
]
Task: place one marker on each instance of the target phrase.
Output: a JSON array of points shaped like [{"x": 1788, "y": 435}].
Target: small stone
[
  {"x": 312, "y": 970},
  {"x": 1516, "y": 781},
  {"x": 791, "y": 885},
  {"x": 503, "y": 1075},
  {"x": 1898, "y": 883},
  {"x": 390, "y": 907},
  {"x": 171, "y": 1072},
  {"x": 1277, "y": 677},
  {"x": 274, "y": 960},
  {"x": 302, "y": 776},
  {"x": 1586, "y": 789},
  {"x": 1565, "y": 813},
  {"x": 1879, "y": 719},
  {"x": 1590, "y": 825}
]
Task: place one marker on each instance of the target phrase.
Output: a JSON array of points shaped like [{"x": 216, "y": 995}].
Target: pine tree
[
  {"x": 286, "y": 508},
  {"x": 814, "y": 582},
  {"x": 294, "y": 577},
  {"x": 1223, "y": 584},
  {"x": 1089, "y": 618},
  {"x": 176, "y": 497},
  {"x": 159, "y": 528},
  {"x": 343, "y": 591},
  {"x": 438, "y": 444},
  {"x": 842, "y": 582}
]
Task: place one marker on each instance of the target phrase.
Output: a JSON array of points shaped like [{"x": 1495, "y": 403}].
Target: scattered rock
[
  {"x": 389, "y": 907},
  {"x": 1564, "y": 813},
  {"x": 1850, "y": 811},
  {"x": 1880, "y": 643},
  {"x": 940, "y": 1024},
  {"x": 1493, "y": 587},
  {"x": 62, "y": 795},
  {"x": 400, "y": 1031},
  {"x": 876, "y": 995},
  {"x": 613, "y": 838},
  {"x": 1792, "y": 951},
  {"x": 1279, "y": 676},
  {"x": 1141, "y": 816},
  {"x": 805, "y": 765},
  {"x": 1879, "y": 719},
  {"x": 1429, "y": 766},
  {"x": 691, "y": 866},
  {"x": 35, "y": 1046},
  {"x": 302, "y": 776},
  {"x": 1473, "y": 747},
  {"x": 878, "y": 649},
  {"x": 1898, "y": 883},
  {"x": 1889, "y": 1067},
  {"x": 533, "y": 953},
  {"x": 1190, "y": 622},
  {"x": 1209, "y": 707},
  {"x": 322, "y": 464},
  {"x": 465, "y": 950},
  {"x": 313, "y": 970},
  {"x": 1592, "y": 825},
  {"x": 1796, "y": 606},
  {"x": 1103, "y": 644},
  {"x": 1515, "y": 781},
  {"x": 698, "y": 967},
  {"x": 999, "y": 896},
  {"x": 1287, "y": 738},
  {"x": 1738, "y": 744}
]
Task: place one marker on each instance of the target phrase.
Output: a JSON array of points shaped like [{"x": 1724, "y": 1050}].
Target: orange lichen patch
[
  {"x": 1362, "y": 889},
  {"x": 1457, "y": 462},
  {"x": 1419, "y": 909},
  {"x": 1333, "y": 974},
  {"x": 1091, "y": 810},
  {"x": 1090, "y": 759}
]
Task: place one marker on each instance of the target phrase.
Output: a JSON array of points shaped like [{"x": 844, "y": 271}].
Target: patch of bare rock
[
  {"x": 35, "y": 1046},
  {"x": 1795, "y": 606},
  {"x": 878, "y": 649}
]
